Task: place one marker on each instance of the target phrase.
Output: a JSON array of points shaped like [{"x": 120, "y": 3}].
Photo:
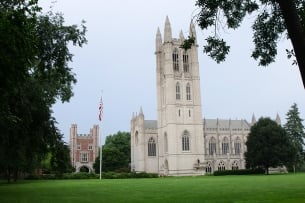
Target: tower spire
[
  {"x": 193, "y": 31},
  {"x": 181, "y": 36},
  {"x": 278, "y": 119},
  {"x": 167, "y": 31},
  {"x": 253, "y": 119},
  {"x": 158, "y": 40}
]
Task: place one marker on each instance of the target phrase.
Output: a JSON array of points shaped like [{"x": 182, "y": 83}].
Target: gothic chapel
[{"x": 180, "y": 142}]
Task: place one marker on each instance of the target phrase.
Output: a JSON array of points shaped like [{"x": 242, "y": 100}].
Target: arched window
[
  {"x": 176, "y": 60},
  {"x": 225, "y": 146},
  {"x": 212, "y": 146},
  {"x": 165, "y": 143},
  {"x": 185, "y": 59},
  {"x": 221, "y": 166},
  {"x": 177, "y": 91},
  {"x": 151, "y": 147},
  {"x": 208, "y": 169},
  {"x": 234, "y": 165},
  {"x": 185, "y": 141},
  {"x": 188, "y": 91},
  {"x": 237, "y": 146}
]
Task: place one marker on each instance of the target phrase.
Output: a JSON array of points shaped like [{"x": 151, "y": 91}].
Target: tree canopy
[
  {"x": 295, "y": 130},
  {"x": 34, "y": 57},
  {"x": 268, "y": 145},
  {"x": 116, "y": 153},
  {"x": 274, "y": 19}
]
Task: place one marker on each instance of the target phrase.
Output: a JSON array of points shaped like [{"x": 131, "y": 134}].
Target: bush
[{"x": 240, "y": 172}]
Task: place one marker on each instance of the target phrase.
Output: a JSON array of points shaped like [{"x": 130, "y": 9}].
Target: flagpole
[
  {"x": 101, "y": 151},
  {"x": 100, "y": 132}
]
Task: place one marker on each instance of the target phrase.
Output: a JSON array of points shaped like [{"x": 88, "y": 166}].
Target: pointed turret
[
  {"x": 181, "y": 36},
  {"x": 253, "y": 119},
  {"x": 167, "y": 31},
  {"x": 141, "y": 112},
  {"x": 158, "y": 40},
  {"x": 278, "y": 119},
  {"x": 192, "y": 30}
]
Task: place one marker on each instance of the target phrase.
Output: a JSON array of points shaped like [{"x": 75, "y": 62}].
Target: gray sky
[{"x": 119, "y": 60}]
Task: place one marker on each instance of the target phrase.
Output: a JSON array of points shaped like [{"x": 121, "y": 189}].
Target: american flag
[{"x": 100, "y": 110}]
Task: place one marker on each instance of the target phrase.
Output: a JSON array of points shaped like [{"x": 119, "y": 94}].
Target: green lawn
[{"x": 262, "y": 188}]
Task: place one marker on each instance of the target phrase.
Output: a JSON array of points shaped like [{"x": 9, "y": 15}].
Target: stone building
[
  {"x": 180, "y": 141},
  {"x": 84, "y": 148}
]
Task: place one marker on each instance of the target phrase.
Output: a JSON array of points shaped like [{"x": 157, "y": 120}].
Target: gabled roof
[{"x": 150, "y": 124}]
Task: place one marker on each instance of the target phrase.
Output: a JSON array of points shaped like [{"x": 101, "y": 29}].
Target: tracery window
[
  {"x": 185, "y": 142},
  {"x": 176, "y": 60},
  {"x": 185, "y": 59},
  {"x": 237, "y": 146},
  {"x": 212, "y": 146},
  {"x": 188, "y": 91},
  {"x": 84, "y": 157},
  {"x": 234, "y": 165},
  {"x": 151, "y": 147},
  {"x": 208, "y": 169},
  {"x": 221, "y": 166},
  {"x": 225, "y": 146}
]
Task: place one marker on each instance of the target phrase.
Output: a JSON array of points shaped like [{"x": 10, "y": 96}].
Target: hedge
[{"x": 240, "y": 172}]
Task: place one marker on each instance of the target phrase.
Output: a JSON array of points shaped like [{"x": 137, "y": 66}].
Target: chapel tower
[{"x": 180, "y": 126}]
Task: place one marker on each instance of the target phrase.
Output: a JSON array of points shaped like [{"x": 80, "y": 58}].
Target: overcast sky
[{"x": 119, "y": 61}]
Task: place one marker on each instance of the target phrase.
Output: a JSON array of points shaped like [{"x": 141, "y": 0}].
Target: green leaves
[
  {"x": 188, "y": 43},
  {"x": 267, "y": 29},
  {"x": 34, "y": 61},
  {"x": 268, "y": 145},
  {"x": 214, "y": 13},
  {"x": 216, "y": 49}
]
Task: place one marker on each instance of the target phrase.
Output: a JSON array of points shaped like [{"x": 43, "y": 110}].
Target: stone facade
[
  {"x": 84, "y": 148},
  {"x": 180, "y": 142}
]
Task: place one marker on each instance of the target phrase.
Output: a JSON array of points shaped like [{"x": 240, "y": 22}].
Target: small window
[
  {"x": 177, "y": 91},
  {"x": 189, "y": 113},
  {"x": 78, "y": 146},
  {"x": 90, "y": 147},
  {"x": 165, "y": 143}
]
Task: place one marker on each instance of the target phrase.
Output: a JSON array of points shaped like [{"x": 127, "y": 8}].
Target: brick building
[{"x": 84, "y": 148}]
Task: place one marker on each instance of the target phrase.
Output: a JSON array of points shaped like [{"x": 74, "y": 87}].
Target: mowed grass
[{"x": 262, "y": 188}]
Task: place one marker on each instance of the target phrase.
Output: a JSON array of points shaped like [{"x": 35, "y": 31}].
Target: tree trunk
[{"x": 295, "y": 31}]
